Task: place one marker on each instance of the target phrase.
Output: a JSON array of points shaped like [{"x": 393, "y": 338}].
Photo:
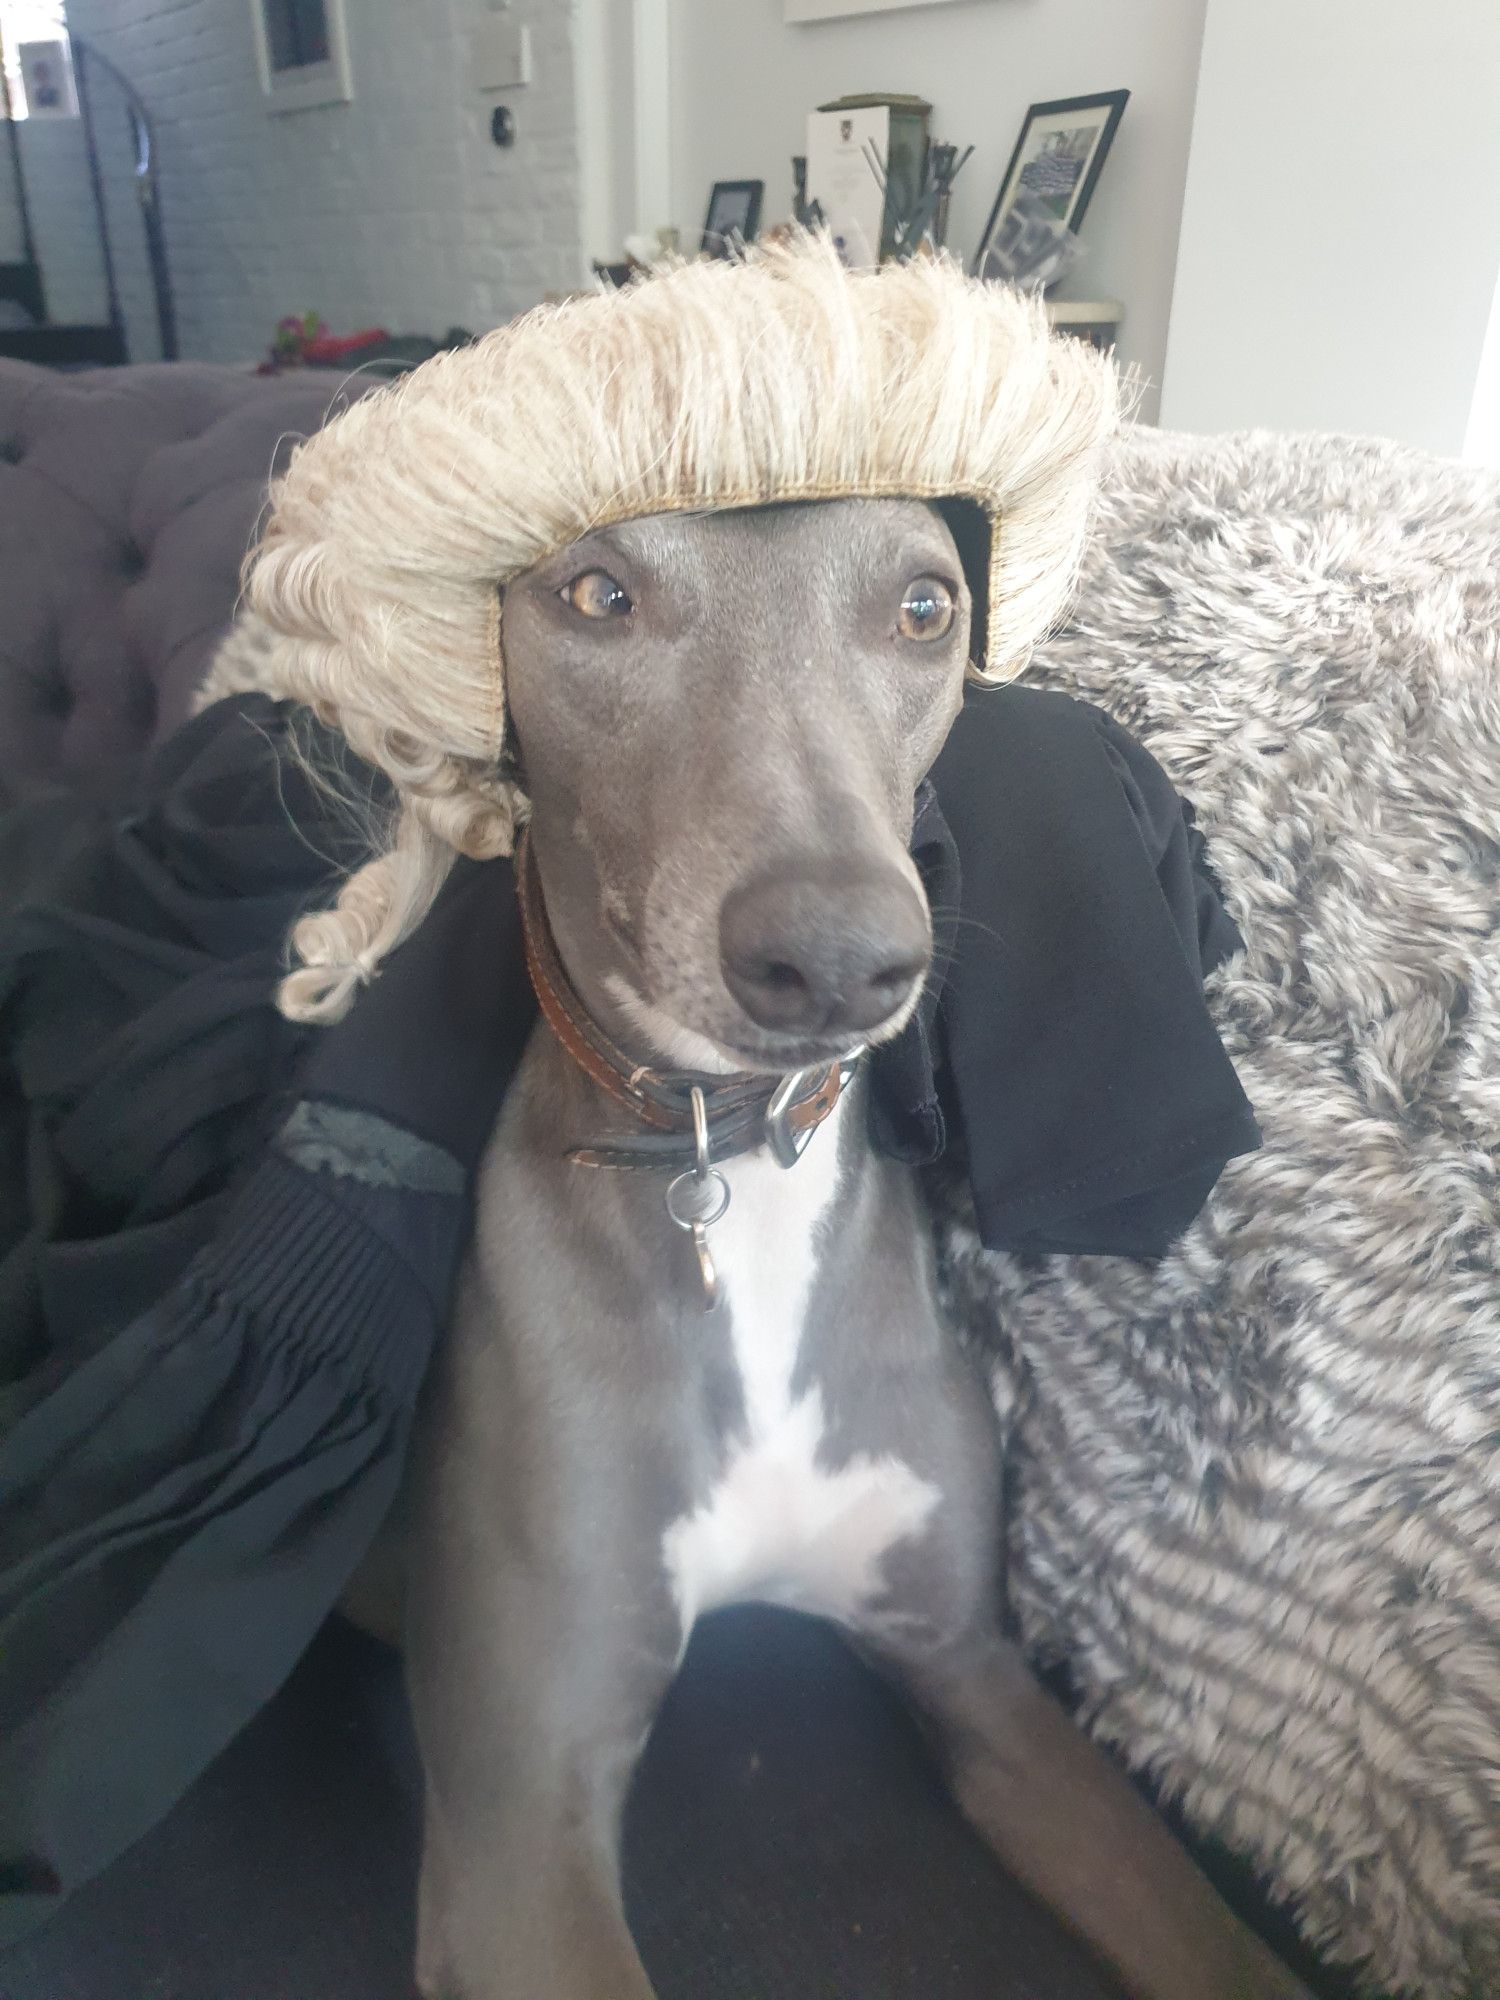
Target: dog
[{"x": 696, "y": 1353}]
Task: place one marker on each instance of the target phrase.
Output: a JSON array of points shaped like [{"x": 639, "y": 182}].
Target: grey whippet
[{"x": 722, "y": 720}]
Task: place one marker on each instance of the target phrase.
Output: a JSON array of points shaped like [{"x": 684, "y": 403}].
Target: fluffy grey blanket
[{"x": 1256, "y": 1489}]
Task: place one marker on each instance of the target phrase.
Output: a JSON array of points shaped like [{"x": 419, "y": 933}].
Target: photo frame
[
  {"x": 1058, "y": 159},
  {"x": 302, "y": 53},
  {"x": 733, "y": 216}
]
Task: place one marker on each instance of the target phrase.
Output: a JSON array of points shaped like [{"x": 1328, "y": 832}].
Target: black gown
[{"x": 228, "y": 1241}]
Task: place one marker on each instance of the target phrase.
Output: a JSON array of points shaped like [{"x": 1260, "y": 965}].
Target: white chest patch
[{"x": 780, "y": 1525}]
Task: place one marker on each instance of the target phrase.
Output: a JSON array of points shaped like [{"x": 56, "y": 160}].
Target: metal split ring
[{"x": 697, "y": 1201}]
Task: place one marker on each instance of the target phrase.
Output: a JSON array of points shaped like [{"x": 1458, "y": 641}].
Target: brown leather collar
[{"x": 743, "y": 1111}]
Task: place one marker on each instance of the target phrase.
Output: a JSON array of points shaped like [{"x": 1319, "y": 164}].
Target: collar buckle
[
  {"x": 788, "y": 1138},
  {"x": 787, "y": 1146}
]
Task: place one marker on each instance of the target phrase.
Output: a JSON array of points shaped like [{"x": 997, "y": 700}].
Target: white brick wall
[{"x": 393, "y": 210}]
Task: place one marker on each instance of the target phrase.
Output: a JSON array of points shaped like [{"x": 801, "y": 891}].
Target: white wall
[
  {"x": 1341, "y": 229},
  {"x": 1482, "y": 439},
  {"x": 613, "y": 143},
  {"x": 743, "y": 82},
  {"x": 62, "y": 217},
  {"x": 394, "y": 210}
]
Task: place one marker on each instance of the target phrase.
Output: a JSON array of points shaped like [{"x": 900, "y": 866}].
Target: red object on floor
[{"x": 335, "y": 346}]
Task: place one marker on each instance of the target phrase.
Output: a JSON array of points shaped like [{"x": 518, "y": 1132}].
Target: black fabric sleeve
[
  {"x": 1094, "y": 1100},
  {"x": 1174, "y": 845}
]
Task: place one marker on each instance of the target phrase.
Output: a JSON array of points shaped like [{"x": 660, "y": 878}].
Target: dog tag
[
  {"x": 695, "y": 1202},
  {"x": 698, "y": 1198}
]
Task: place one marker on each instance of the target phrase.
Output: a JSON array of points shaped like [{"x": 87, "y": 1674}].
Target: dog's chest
[{"x": 784, "y": 1522}]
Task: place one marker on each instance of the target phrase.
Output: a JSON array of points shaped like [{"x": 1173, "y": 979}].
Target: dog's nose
[{"x": 826, "y": 947}]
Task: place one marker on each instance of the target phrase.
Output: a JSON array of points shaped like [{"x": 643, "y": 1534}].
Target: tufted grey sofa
[{"x": 128, "y": 497}]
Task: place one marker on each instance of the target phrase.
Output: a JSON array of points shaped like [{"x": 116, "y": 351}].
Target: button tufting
[
  {"x": 12, "y": 451},
  {"x": 132, "y": 561}
]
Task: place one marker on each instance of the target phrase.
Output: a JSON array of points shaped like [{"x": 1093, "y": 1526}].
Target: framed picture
[
  {"x": 866, "y": 160},
  {"x": 47, "y": 79},
  {"x": 847, "y": 150},
  {"x": 302, "y": 51},
  {"x": 1058, "y": 159},
  {"x": 733, "y": 216}
]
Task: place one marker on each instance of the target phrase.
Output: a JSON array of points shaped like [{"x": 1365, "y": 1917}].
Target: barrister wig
[{"x": 707, "y": 385}]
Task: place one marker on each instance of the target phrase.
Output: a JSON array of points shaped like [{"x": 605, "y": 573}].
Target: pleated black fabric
[{"x": 228, "y": 1243}]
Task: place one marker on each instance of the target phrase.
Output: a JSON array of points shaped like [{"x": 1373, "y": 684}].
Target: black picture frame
[
  {"x": 1111, "y": 103},
  {"x": 733, "y": 215}
]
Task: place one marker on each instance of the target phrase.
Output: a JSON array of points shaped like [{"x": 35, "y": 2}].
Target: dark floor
[{"x": 787, "y": 1840}]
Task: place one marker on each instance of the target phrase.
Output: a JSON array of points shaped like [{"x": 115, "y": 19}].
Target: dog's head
[
  {"x": 443, "y": 548},
  {"x": 721, "y": 720}
]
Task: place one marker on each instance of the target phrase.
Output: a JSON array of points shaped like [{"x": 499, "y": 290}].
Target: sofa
[{"x": 128, "y": 498}]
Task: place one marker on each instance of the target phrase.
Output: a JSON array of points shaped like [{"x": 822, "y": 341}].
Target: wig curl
[{"x": 704, "y": 386}]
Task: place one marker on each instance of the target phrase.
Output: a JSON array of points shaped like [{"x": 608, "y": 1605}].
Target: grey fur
[{"x": 1257, "y": 1489}]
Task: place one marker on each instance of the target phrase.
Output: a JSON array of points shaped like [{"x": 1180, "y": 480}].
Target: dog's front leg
[
  {"x": 531, "y": 1713},
  {"x": 540, "y": 1640},
  {"x": 521, "y": 1906},
  {"x": 1069, "y": 1825}
]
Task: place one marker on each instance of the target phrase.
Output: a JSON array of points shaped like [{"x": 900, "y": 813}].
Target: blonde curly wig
[{"x": 707, "y": 385}]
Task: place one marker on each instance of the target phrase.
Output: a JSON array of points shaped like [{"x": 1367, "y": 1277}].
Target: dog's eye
[
  {"x": 596, "y": 594},
  {"x": 927, "y": 609}
]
